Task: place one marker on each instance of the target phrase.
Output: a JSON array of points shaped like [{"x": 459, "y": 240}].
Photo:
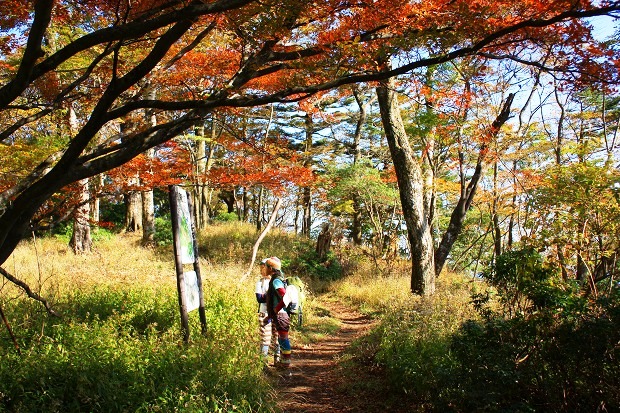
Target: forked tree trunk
[
  {"x": 411, "y": 189},
  {"x": 468, "y": 191}
]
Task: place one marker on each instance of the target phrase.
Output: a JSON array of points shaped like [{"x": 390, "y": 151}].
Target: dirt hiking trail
[{"x": 316, "y": 383}]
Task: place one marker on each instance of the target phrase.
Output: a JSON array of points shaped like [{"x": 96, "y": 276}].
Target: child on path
[
  {"x": 264, "y": 322},
  {"x": 276, "y": 309}
]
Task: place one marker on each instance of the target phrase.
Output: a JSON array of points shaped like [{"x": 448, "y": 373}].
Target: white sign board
[
  {"x": 186, "y": 243},
  {"x": 192, "y": 299}
]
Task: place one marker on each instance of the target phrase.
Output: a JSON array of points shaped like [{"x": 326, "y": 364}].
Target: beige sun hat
[{"x": 274, "y": 262}]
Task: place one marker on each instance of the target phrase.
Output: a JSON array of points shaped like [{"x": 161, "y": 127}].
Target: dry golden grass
[
  {"x": 118, "y": 325},
  {"x": 50, "y": 268},
  {"x": 382, "y": 292}
]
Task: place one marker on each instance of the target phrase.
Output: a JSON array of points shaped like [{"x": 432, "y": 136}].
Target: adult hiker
[
  {"x": 264, "y": 321},
  {"x": 276, "y": 309}
]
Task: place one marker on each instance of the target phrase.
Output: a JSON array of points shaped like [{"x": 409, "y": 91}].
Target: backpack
[{"x": 294, "y": 298}]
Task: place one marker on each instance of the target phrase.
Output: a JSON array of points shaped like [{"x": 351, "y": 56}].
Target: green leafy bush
[
  {"x": 226, "y": 217},
  {"x": 546, "y": 348},
  {"x": 121, "y": 350},
  {"x": 309, "y": 264},
  {"x": 163, "y": 231}
]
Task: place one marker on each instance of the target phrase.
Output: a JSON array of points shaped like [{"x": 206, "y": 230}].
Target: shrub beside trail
[
  {"x": 522, "y": 340},
  {"x": 118, "y": 346}
]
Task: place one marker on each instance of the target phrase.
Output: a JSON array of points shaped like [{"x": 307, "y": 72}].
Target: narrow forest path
[{"x": 315, "y": 383}]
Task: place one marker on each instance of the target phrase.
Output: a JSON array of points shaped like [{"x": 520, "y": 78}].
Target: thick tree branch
[
  {"x": 131, "y": 30},
  {"x": 33, "y": 51},
  {"x": 5, "y": 134}
]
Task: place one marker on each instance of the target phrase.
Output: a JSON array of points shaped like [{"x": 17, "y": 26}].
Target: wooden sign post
[{"x": 189, "y": 283}]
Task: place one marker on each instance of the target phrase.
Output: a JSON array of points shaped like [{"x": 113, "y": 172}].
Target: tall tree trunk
[
  {"x": 95, "y": 203},
  {"x": 133, "y": 211},
  {"x": 307, "y": 191},
  {"x": 148, "y": 205},
  {"x": 497, "y": 231},
  {"x": 259, "y": 209},
  {"x": 512, "y": 222},
  {"x": 245, "y": 205},
  {"x": 205, "y": 156},
  {"x": 324, "y": 242},
  {"x": 411, "y": 189},
  {"x": 148, "y": 218},
  {"x": 148, "y": 212},
  {"x": 356, "y": 227},
  {"x": 81, "y": 241},
  {"x": 560, "y": 131},
  {"x": 199, "y": 168},
  {"x": 95, "y": 210},
  {"x": 429, "y": 164},
  {"x": 132, "y": 199},
  {"x": 307, "y": 211},
  {"x": 297, "y": 213}
]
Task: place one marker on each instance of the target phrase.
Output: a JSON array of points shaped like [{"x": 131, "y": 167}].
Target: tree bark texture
[
  {"x": 356, "y": 228},
  {"x": 411, "y": 189},
  {"x": 307, "y": 191},
  {"x": 81, "y": 241},
  {"x": 148, "y": 205},
  {"x": 148, "y": 218},
  {"x": 324, "y": 242},
  {"x": 133, "y": 213}
]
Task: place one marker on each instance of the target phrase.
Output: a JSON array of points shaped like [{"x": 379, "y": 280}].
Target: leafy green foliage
[
  {"x": 65, "y": 231},
  {"x": 119, "y": 350},
  {"x": 408, "y": 353},
  {"x": 526, "y": 284},
  {"x": 226, "y": 217},
  {"x": 546, "y": 348},
  {"x": 540, "y": 363},
  {"x": 579, "y": 215},
  {"x": 163, "y": 231},
  {"x": 364, "y": 187},
  {"x": 414, "y": 349},
  {"x": 310, "y": 265},
  {"x": 535, "y": 343}
]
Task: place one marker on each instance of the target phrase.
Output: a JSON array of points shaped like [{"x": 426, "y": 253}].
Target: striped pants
[{"x": 266, "y": 334}]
